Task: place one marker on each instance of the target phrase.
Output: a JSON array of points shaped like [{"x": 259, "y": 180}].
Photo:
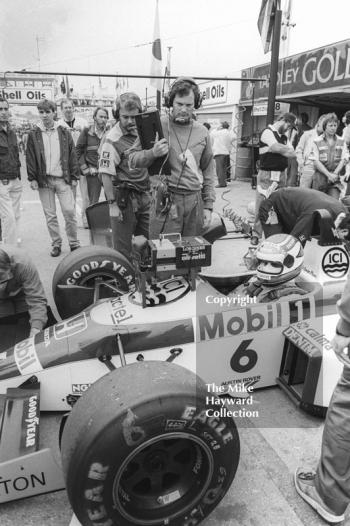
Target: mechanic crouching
[
  {"x": 291, "y": 211},
  {"x": 23, "y": 304}
]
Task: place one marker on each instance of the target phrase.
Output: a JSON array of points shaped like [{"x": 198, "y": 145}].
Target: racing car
[{"x": 149, "y": 439}]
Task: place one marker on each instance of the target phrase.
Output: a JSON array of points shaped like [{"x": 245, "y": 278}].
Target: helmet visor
[{"x": 270, "y": 268}]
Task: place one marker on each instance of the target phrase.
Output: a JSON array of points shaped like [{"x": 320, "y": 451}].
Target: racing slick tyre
[
  {"x": 142, "y": 447},
  {"x": 103, "y": 271}
]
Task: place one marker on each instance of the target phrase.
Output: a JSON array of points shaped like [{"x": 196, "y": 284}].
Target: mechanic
[
  {"x": 291, "y": 210},
  {"x": 127, "y": 190},
  {"x": 189, "y": 188},
  {"x": 23, "y": 305},
  {"x": 279, "y": 260},
  {"x": 327, "y": 489},
  {"x": 274, "y": 152}
]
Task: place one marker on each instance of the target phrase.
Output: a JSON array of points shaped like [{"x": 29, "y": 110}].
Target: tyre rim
[
  {"x": 105, "y": 283},
  {"x": 163, "y": 478}
]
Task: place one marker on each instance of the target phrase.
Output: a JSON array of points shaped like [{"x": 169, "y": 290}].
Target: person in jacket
[
  {"x": 76, "y": 125},
  {"x": 327, "y": 489},
  {"x": 305, "y": 156},
  {"x": 52, "y": 169},
  {"x": 87, "y": 151},
  {"x": 10, "y": 183},
  {"x": 291, "y": 211},
  {"x": 330, "y": 154},
  {"x": 190, "y": 183},
  {"x": 127, "y": 190},
  {"x": 274, "y": 152},
  {"x": 23, "y": 305}
]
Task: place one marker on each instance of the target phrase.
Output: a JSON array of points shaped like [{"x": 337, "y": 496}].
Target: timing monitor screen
[{"x": 148, "y": 125}]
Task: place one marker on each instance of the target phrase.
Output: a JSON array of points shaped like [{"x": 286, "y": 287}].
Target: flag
[
  {"x": 265, "y": 22},
  {"x": 167, "y": 70},
  {"x": 156, "y": 66}
]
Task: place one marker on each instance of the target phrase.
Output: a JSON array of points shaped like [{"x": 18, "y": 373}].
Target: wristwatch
[{"x": 110, "y": 201}]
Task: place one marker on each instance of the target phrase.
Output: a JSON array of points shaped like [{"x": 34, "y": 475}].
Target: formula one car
[{"x": 149, "y": 439}]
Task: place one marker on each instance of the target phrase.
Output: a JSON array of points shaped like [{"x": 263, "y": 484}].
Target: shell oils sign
[
  {"x": 25, "y": 95},
  {"x": 27, "y": 89},
  {"x": 214, "y": 92}
]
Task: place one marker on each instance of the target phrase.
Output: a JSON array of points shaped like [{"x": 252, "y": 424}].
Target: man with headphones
[
  {"x": 127, "y": 190},
  {"x": 187, "y": 147}
]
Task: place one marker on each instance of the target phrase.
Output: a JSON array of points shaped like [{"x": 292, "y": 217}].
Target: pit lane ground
[{"x": 262, "y": 492}]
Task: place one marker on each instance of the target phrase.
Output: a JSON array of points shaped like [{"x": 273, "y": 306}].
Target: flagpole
[{"x": 274, "y": 67}]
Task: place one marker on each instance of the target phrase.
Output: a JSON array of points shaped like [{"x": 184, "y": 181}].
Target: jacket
[
  {"x": 24, "y": 291},
  {"x": 190, "y": 157},
  {"x": 9, "y": 156},
  {"x": 35, "y": 157},
  {"x": 87, "y": 150}
]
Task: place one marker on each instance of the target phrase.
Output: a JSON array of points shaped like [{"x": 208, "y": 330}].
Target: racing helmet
[{"x": 280, "y": 258}]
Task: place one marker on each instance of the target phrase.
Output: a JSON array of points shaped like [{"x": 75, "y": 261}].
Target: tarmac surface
[{"x": 262, "y": 492}]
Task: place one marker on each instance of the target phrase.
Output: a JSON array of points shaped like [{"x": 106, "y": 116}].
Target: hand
[
  {"x": 33, "y": 331},
  {"x": 160, "y": 148},
  {"x": 207, "y": 217},
  {"x": 93, "y": 170},
  {"x": 74, "y": 182},
  {"x": 333, "y": 177},
  {"x": 114, "y": 211},
  {"x": 34, "y": 185},
  {"x": 340, "y": 347}
]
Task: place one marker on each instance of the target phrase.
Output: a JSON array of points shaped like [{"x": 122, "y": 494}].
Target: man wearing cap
[
  {"x": 222, "y": 143},
  {"x": 127, "y": 190},
  {"x": 23, "y": 305},
  {"x": 274, "y": 152}
]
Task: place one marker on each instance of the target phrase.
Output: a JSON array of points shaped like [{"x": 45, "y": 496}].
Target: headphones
[
  {"x": 180, "y": 84},
  {"x": 129, "y": 96}
]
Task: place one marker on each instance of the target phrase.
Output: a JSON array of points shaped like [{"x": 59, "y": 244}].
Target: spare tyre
[
  {"x": 142, "y": 447},
  {"x": 88, "y": 274}
]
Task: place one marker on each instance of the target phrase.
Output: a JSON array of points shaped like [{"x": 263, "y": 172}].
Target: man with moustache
[
  {"x": 187, "y": 146},
  {"x": 274, "y": 152},
  {"x": 127, "y": 190}
]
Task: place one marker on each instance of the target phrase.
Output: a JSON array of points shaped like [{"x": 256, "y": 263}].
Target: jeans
[
  {"x": 10, "y": 197},
  {"x": 94, "y": 186},
  {"x": 222, "y": 166},
  {"x": 135, "y": 222},
  {"x": 333, "y": 472},
  {"x": 58, "y": 186},
  {"x": 84, "y": 198}
]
